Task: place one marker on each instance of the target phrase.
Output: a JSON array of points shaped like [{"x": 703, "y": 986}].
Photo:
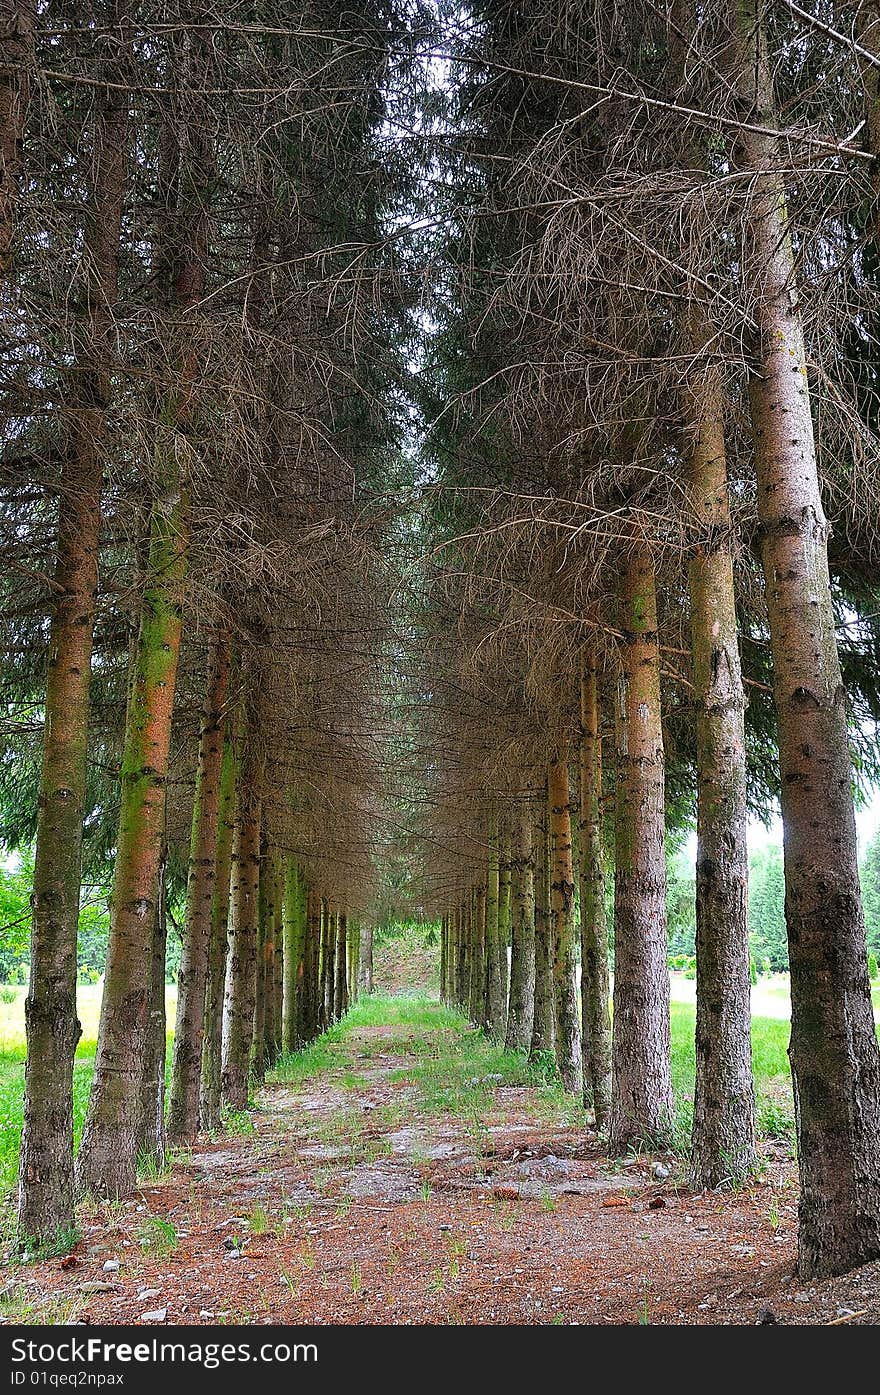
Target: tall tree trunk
[
  {"x": 151, "y": 1140},
  {"x": 183, "y": 1114},
  {"x": 241, "y": 977},
  {"x": 365, "y": 980},
  {"x": 504, "y": 895},
  {"x": 462, "y": 969},
  {"x": 328, "y": 962},
  {"x": 723, "y": 1141},
  {"x": 543, "y": 1026},
  {"x": 595, "y": 986},
  {"x": 340, "y": 1004},
  {"x": 212, "y": 1049},
  {"x": 494, "y": 1000},
  {"x": 521, "y": 1011},
  {"x": 275, "y": 964},
  {"x": 46, "y": 1177},
  {"x": 354, "y": 940},
  {"x": 261, "y": 987},
  {"x": 294, "y": 939},
  {"x": 108, "y": 1154},
  {"x": 641, "y": 1104},
  {"x": 568, "y": 1039},
  {"x": 477, "y": 986},
  {"x": 309, "y": 995},
  {"x": 107, "y": 1157},
  {"x": 834, "y": 1054}
]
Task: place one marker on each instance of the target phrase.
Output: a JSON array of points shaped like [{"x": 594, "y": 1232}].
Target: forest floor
[{"x": 403, "y": 1170}]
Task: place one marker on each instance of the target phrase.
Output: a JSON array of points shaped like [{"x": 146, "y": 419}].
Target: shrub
[{"x": 872, "y": 965}]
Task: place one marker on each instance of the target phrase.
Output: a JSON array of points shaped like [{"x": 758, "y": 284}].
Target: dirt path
[{"x": 405, "y": 1173}]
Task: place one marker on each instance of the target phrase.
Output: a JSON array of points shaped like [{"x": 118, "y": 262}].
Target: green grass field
[{"x": 451, "y": 1081}]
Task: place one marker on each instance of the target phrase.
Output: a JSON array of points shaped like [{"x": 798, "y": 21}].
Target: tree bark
[
  {"x": 354, "y": 957},
  {"x": 241, "y": 977},
  {"x": 294, "y": 936},
  {"x": 262, "y": 990},
  {"x": 46, "y": 1173},
  {"x": 504, "y": 897},
  {"x": 108, "y": 1154},
  {"x": 365, "y": 980},
  {"x": 328, "y": 962},
  {"x": 521, "y": 1011},
  {"x": 183, "y": 1113},
  {"x": 477, "y": 966},
  {"x": 494, "y": 1006},
  {"x": 107, "y": 1158},
  {"x": 151, "y": 1140},
  {"x": 340, "y": 996},
  {"x": 568, "y": 1040},
  {"x": 543, "y": 1026},
  {"x": 309, "y": 995},
  {"x": 723, "y": 1141},
  {"x": 212, "y": 1050},
  {"x": 595, "y": 984},
  {"x": 834, "y": 1054},
  {"x": 641, "y": 1104}
]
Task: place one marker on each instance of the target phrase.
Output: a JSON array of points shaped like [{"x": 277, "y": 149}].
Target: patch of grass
[
  {"x": 258, "y": 1221},
  {"x": 61, "y": 1243},
  {"x": 18, "y": 1303},
  {"x": 238, "y": 1122},
  {"x": 157, "y": 1237}
]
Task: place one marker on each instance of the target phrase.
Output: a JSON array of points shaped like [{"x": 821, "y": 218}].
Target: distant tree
[
  {"x": 767, "y": 934},
  {"x": 681, "y": 922},
  {"x": 870, "y": 878}
]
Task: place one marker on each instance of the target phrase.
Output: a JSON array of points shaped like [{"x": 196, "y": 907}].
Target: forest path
[{"x": 403, "y": 1170}]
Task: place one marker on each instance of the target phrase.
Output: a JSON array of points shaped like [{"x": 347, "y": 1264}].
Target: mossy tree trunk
[
  {"x": 108, "y": 1154},
  {"x": 46, "y": 1173}
]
